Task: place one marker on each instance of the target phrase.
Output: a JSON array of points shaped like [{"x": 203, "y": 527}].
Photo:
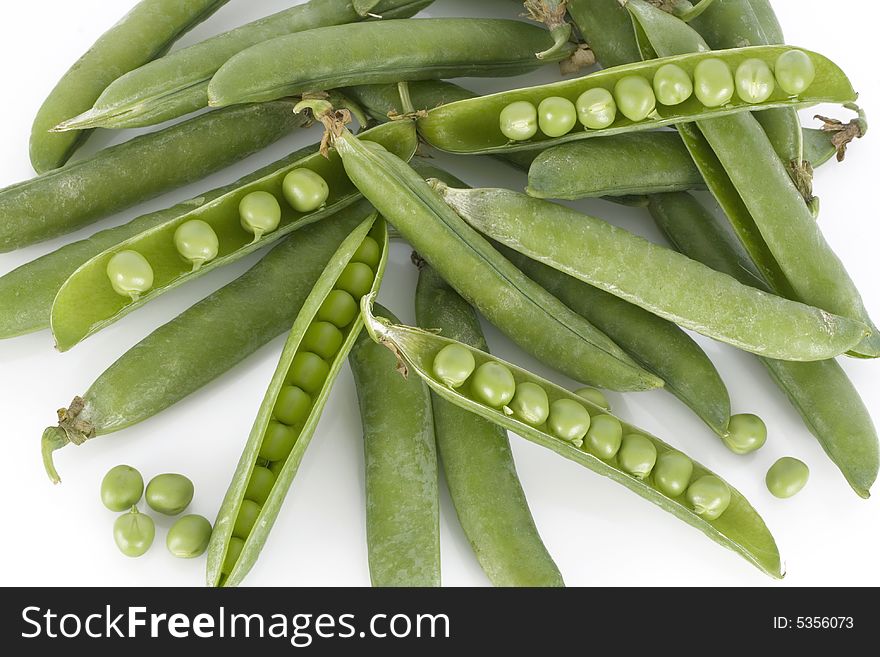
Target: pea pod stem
[{"x": 552, "y": 14}]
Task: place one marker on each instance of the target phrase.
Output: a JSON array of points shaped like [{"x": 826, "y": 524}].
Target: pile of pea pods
[{"x": 707, "y": 88}]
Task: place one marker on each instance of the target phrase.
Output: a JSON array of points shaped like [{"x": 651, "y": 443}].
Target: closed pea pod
[{"x": 787, "y": 477}]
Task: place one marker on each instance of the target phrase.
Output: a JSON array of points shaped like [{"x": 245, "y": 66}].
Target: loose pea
[
  {"x": 322, "y": 338},
  {"x": 260, "y": 213},
  {"x": 604, "y": 436},
  {"x": 745, "y": 433},
  {"x": 673, "y": 472},
  {"x": 493, "y": 384},
  {"x": 453, "y": 365},
  {"x": 169, "y": 494},
  {"x": 519, "y": 121},
  {"x": 134, "y": 533},
  {"x": 794, "y": 72},
  {"x": 635, "y": 97},
  {"x": 121, "y": 488},
  {"x": 569, "y": 420},
  {"x": 308, "y": 371},
  {"x": 188, "y": 537},
  {"x": 595, "y": 396},
  {"x": 637, "y": 455},
  {"x": 305, "y": 190},
  {"x": 292, "y": 406},
  {"x": 709, "y": 496},
  {"x": 246, "y": 519},
  {"x": 260, "y": 485},
  {"x": 356, "y": 279},
  {"x": 278, "y": 442},
  {"x": 787, "y": 477},
  {"x": 339, "y": 308},
  {"x": 369, "y": 253},
  {"x": 130, "y": 274},
  {"x": 754, "y": 81},
  {"x": 672, "y": 85},
  {"x": 233, "y": 552},
  {"x": 596, "y": 108},
  {"x": 556, "y": 116},
  {"x": 196, "y": 242},
  {"x": 713, "y": 82},
  {"x": 530, "y": 404}
]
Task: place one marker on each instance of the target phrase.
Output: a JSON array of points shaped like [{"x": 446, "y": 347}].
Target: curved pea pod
[
  {"x": 692, "y": 295},
  {"x": 738, "y": 528},
  {"x": 473, "y": 126},
  {"x": 238, "y": 520},
  {"x": 87, "y": 303},
  {"x": 239, "y": 318},
  {"x": 607, "y": 28},
  {"x": 403, "y": 508},
  {"x": 119, "y": 177},
  {"x": 384, "y": 51}
]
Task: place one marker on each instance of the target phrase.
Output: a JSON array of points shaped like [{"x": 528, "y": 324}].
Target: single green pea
[
  {"x": 189, "y": 536},
  {"x": 305, "y": 190},
  {"x": 169, "y": 493},
  {"x": 356, "y": 279},
  {"x": 635, "y": 97},
  {"x": 196, "y": 242},
  {"x": 292, "y": 406},
  {"x": 795, "y": 72},
  {"x": 308, "y": 371},
  {"x": 134, "y": 533},
  {"x": 530, "y": 404},
  {"x": 260, "y": 485},
  {"x": 596, "y": 108},
  {"x": 713, "y": 82},
  {"x": 260, "y": 213},
  {"x": 233, "y": 552},
  {"x": 604, "y": 436},
  {"x": 246, "y": 518},
  {"x": 709, "y": 496},
  {"x": 556, "y": 116},
  {"x": 339, "y": 308},
  {"x": 637, "y": 455},
  {"x": 130, "y": 274},
  {"x": 673, "y": 473},
  {"x": 519, "y": 121},
  {"x": 369, "y": 253},
  {"x": 493, "y": 384},
  {"x": 322, "y": 338},
  {"x": 745, "y": 433},
  {"x": 595, "y": 396},
  {"x": 787, "y": 477},
  {"x": 121, "y": 488},
  {"x": 754, "y": 81},
  {"x": 275, "y": 467},
  {"x": 569, "y": 420},
  {"x": 672, "y": 85},
  {"x": 453, "y": 365},
  {"x": 277, "y": 443}
]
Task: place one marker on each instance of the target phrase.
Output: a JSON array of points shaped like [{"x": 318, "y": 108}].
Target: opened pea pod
[{"x": 322, "y": 336}]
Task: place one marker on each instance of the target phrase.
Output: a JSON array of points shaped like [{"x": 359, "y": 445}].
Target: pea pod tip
[{"x": 53, "y": 439}]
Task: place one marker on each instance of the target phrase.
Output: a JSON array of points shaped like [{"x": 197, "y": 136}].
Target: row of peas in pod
[
  {"x": 131, "y": 274},
  {"x": 636, "y": 97},
  {"x": 601, "y": 435},
  {"x": 308, "y": 371}
]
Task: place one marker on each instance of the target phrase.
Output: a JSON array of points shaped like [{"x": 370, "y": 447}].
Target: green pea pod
[
  {"x": 385, "y": 51},
  {"x": 87, "y": 303},
  {"x": 142, "y": 35},
  {"x": 119, "y": 177},
  {"x": 821, "y": 392},
  {"x": 240, "y": 318},
  {"x": 403, "y": 508},
  {"x": 552, "y": 14},
  {"x": 477, "y": 461},
  {"x": 364, "y": 7},
  {"x": 228, "y": 563},
  {"x": 606, "y": 26},
  {"x": 739, "y": 527}
]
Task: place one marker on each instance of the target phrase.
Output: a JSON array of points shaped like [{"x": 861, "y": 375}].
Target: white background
[{"x": 598, "y": 532}]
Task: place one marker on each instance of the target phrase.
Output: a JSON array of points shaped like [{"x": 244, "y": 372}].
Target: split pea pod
[
  {"x": 400, "y": 454},
  {"x": 88, "y": 302},
  {"x": 580, "y": 431},
  {"x": 384, "y": 51},
  {"x": 143, "y": 34},
  {"x": 477, "y": 460},
  {"x": 177, "y": 84},
  {"x": 239, "y": 318},
  {"x": 322, "y": 335},
  {"x": 119, "y": 177}
]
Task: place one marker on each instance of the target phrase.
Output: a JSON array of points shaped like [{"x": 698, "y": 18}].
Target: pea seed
[
  {"x": 604, "y": 436},
  {"x": 453, "y": 365},
  {"x": 569, "y": 420},
  {"x": 292, "y": 406},
  {"x": 188, "y": 537},
  {"x": 595, "y": 396},
  {"x": 322, "y": 338},
  {"x": 556, "y": 116},
  {"x": 278, "y": 442},
  {"x": 713, "y": 83},
  {"x": 339, "y": 308},
  {"x": 169, "y": 494},
  {"x": 130, "y": 274},
  {"x": 493, "y": 384},
  {"x": 519, "y": 121},
  {"x": 260, "y": 485},
  {"x": 530, "y": 404},
  {"x": 233, "y": 552},
  {"x": 356, "y": 279},
  {"x": 134, "y": 533},
  {"x": 305, "y": 190},
  {"x": 121, "y": 488},
  {"x": 596, "y": 108},
  {"x": 709, "y": 496},
  {"x": 673, "y": 472},
  {"x": 369, "y": 253},
  {"x": 794, "y": 72},
  {"x": 787, "y": 477},
  {"x": 637, "y": 455},
  {"x": 196, "y": 242},
  {"x": 754, "y": 81},
  {"x": 635, "y": 97},
  {"x": 246, "y": 519},
  {"x": 745, "y": 433},
  {"x": 672, "y": 85},
  {"x": 275, "y": 468},
  {"x": 260, "y": 213},
  {"x": 308, "y": 371}
]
